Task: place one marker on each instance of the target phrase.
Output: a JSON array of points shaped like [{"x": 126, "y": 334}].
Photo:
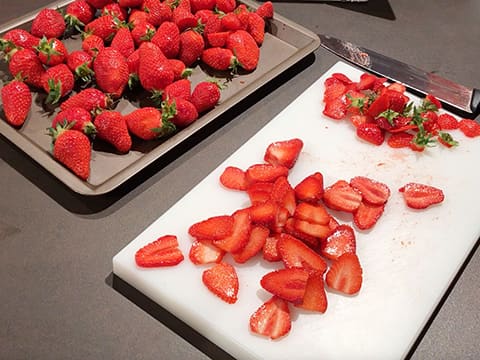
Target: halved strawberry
[
  {"x": 288, "y": 284},
  {"x": 233, "y": 178},
  {"x": 367, "y": 215},
  {"x": 400, "y": 140},
  {"x": 204, "y": 252},
  {"x": 335, "y": 109},
  {"x": 315, "y": 298},
  {"x": 284, "y": 153},
  {"x": 421, "y": 196},
  {"x": 265, "y": 172},
  {"x": 162, "y": 252},
  {"x": 270, "y": 250},
  {"x": 213, "y": 228},
  {"x": 239, "y": 236},
  {"x": 256, "y": 241},
  {"x": 373, "y": 191},
  {"x": 341, "y": 240},
  {"x": 272, "y": 319},
  {"x": 310, "y": 188},
  {"x": 295, "y": 254},
  {"x": 341, "y": 196},
  {"x": 312, "y": 213},
  {"x": 371, "y": 133},
  {"x": 345, "y": 274},
  {"x": 222, "y": 280},
  {"x": 333, "y": 90}
]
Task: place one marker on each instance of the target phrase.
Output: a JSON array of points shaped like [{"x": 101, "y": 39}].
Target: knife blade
[{"x": 456, "y": 97}]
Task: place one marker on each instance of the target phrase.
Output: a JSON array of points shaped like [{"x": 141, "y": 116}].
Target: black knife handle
[{"x": 475, "y": 104}]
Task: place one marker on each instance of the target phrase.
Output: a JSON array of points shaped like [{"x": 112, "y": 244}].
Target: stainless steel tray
[{"x": 286, "y": 43}]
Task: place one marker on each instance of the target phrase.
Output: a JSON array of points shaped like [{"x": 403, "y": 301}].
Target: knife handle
[{"x": 475, "y": 103}]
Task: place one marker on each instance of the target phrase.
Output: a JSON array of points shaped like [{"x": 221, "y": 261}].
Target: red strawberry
[
  {"x": 335, "y": 109},
  {"x": 270, "y": 250},
  {"x": 334, "y": 90},
  {"x": 256, "y": 241},
  {"x": 205, "y": 96},
  {"x": 112, "y": 128},
  {"x": 371, "y": 132},
  {"x": 341, "y": 196},
  {"x": 78, "y": 13},
  {"x": 226, "y": 6},
  {"x": 308, "y": 232},
  {"x": 130, "y": 3},
  {"x": 231, "y": 22},
  {"x": 433, "y": 101},
  {"x": 446, "y": 140},
  {"x": 204, "y": 252},
  {"x": 240, "y": 233},
  {"x": 271, "y": 319},
  {"x": 167, "y": 38},
  {"x": 157, "y": 12},
  {"x": 447, "y": 122},
  {"x": 202, "y": 15},
  {"x": 123, "y": 42},
  {"x": 25, "y": 63},
  {"x": 315, "y": 298},
  {"x": 92, "y": 44},
  {"x": 180, "y": 112},
  {"x": 256, "y": 27},
  {"x": 264, "y": 213},
  {"x": 222, "y": 280},
  {"x": 154, "y": 71},
  {"x": 310, "y": 189},
  {"x": 178, "y": 89},
  {"x": 146, "y": 123},
  {"x": 103, "y": 26},
  {"x": 114, "y": 9},
  {"x": 469, "y": 127},
  {"x": 373, "y": 192},
  {"x": 137, "y": 16},
  {"x": 213, "y": 228},
  {"x": 259, "y": 192},
  {"x": 217, "y": 39},
  {"x": 233, "y": 178},
  {"x": 180, "y": 71},
  {"x": 219, "y": 58},
  {"x": 162, "y": 252},
  {"x": 282, "y": 193},
  {"x": 111, "y": 71},
  {"x": 17, "y": 38},
  {"x": 265, "y": 172},
  {"x": 265, "y": 10},
  {"x": 57, "y": 81},
  {"x": 367, "y": 215},
  {"x": 184, "y": 18},
  {"x": 284, "y": 153},
  {"x": 72, "y": 148},
  {"x": 295, "y": 254},
  {"x": 51, "y": 51},
  {"x": 345, "y": 274},
  {"x": 98, "y": 4},
  {"x": 288, "y": 284},
  {"x": 421, "y": 196},
  {"x": 132, "y": 61},
  {"x": 314, "y": 213},
  {"x": 245, "y": 48},
  {"x": 48, "y": 23},
  {"x": 80, "y": 63},
  {"x": 198, "y": 5},
  {"x": 16, "y": 100},
  {"x": 400, "y": 140},
  {"x": 191, "y": 46},
  {"x": 79, "y": 118},
  {"x": 340, "y": 241},
  {"x": 89, "y": 99},
  {"x": 142, "y": 32},
  {"x": 212, "y": 25}
]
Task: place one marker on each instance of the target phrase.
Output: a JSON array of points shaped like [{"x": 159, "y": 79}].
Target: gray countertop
[{"x": 57, "y": 294}]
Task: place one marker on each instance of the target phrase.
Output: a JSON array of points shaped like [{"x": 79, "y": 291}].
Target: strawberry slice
[
  {"x": 400, "y": 140},
  {"x": 367, "y": 215},
  {"x": 222, "y": 280},
  {"x": 204, "y": 252},
  {"x": 259, "y": 192},
  {"x": 295, "y": 254},
  {"x": 335, "y": 109},
  {"x": 373, "y": 191},
  {"x": 288, "y": 284},
  {"x": 312, "y": 213},
  {"x": 341, "y": 196},
  {"x": 341, "y": 240},
  {"x": 264, "y": 213},
  {"x": 233, "y": 178},
  {"x": 256, "y": 241},
  {"x": 469, "y": 127},
  {"x": 345, "y": 274},
  {"x": 265, "y": 172},
  {"x": 284, "y": 153},
  {"x": 270, "y": 250},
  {"x": 162, "y": 252},
  {"x": 334, "y": 90},
  {"x": 240, "y": 234},
  {"x": 315, "y": 298},
  {"x": 213, "y": 228},
  {"x": 371, "y": 133},
  {"x": 300, "y": 230},
  {"x": 310, "y": 188},
  {"x": 283, "y": 194},
  {"x": 272, "y": 319},
  {"x": 307, "y": 228},
  {"x": 421, "y": 196}
]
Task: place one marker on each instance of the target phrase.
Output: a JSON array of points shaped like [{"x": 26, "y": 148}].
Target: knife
[{"x": 456, "y": 97}]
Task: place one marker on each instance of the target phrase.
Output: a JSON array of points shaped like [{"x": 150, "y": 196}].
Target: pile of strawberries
[
  {"x": 293, "y": 226},
  {"x": 139, "y": 45},
  {"x": 380, "y": 111}
]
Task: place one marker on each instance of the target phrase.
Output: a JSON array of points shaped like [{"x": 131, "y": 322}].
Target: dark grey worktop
[{"x": 56, "y": 295}]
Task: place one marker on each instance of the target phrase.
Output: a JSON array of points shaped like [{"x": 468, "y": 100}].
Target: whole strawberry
[
  {"x": 17, "y": 38},
  {"x": 57, "y": 81},
  {"x": 92, "y": 44},
  {"x": 147, "y": 124},
  {"x": 77, "y": 118},
  {"x": 72, "y": 148},
  {"x": 25, "y": 63},
  {"x": 123, "y": 42},
  {"x": 205, "y": 96},
  {"x": 142, "y": 32},
  {"x": 220, "y": 59},
  {"x": 191, "y": 46},
  {"x": 112, "y": 128},
  {"x": 17, "y": 100},
  {"x": 113, "y": 8},
  {"x": 181, "y": 88},
  {"x": 80, "y": 63},
  {"x": 180, "y": 71},
  {"x": 157, "y": 12},
  {"x": 51, "y": 51},
  {"x": 78, "y": 13},
  {"x": 154, "y": 70},
  {"x": 167, "y": 38},
  {"x": 245, "y": 48},
  {"x": 180, "y": 112},
  {"x": 111, "y": 71},
  {"x": 49, "y": 23},
  {"x": 90, "y": 99},
  {"x": 103, "y": 26},
  {"x": 98, "y": 4}
]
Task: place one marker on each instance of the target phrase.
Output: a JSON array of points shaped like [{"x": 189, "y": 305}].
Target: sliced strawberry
[
  {"x": 264, "y": 213},
  {"x": 265, "y": 172},
  {"x": 400, "y": 140},
  {"x": 341, "y": 196},
  {"x": 259, "y": 192},
  {"x": 204, "y": 252},
  {"x": 469, "y": 127},
  {"x": 213, "y": 228},
  {"x": 343, "y": 78},
  {"x": 288, "y": 284},
  {"x": 310, "y": 188},
  {"x": 334, "y": 90},
  {"x": 284, "y": 153},
  {"x": 341, "y": 240},
  {"x": 295, "y": 254},
  {"x": 367, "y": 215},
  {"x": 313, "y": 213},
  {"x": 222, "y": 280},
  {"x": 162, "y": 252},
  {"x": 371, "y": 133},
  {"x": 270, "y": 250},
  {"x": 233, "y": 178},
  {"x": 272, "y": 319},
  {"x": 345, "y": 274},
  {"x": 373, "y": 191},
  {"x": 283, "y": 194},
  {"x": 315, "y": 298},
  {"x": 256, "y": 241},
  {"x": 335, "y": 109},
  {"x": 447, "y": 122},
  {"x": 240, "y": 234},
  {"x": 299, "y": 229},
  {"x": 421, "y": 196},
  {"x": 367, "y": 81},
  {"x": 307, "y": 228}
]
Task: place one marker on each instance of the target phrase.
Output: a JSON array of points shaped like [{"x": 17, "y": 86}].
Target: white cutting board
[{"x": 409, "y": 258}]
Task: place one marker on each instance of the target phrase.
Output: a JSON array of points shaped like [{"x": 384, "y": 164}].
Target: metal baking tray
[{"x": 285, "y": 44}]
